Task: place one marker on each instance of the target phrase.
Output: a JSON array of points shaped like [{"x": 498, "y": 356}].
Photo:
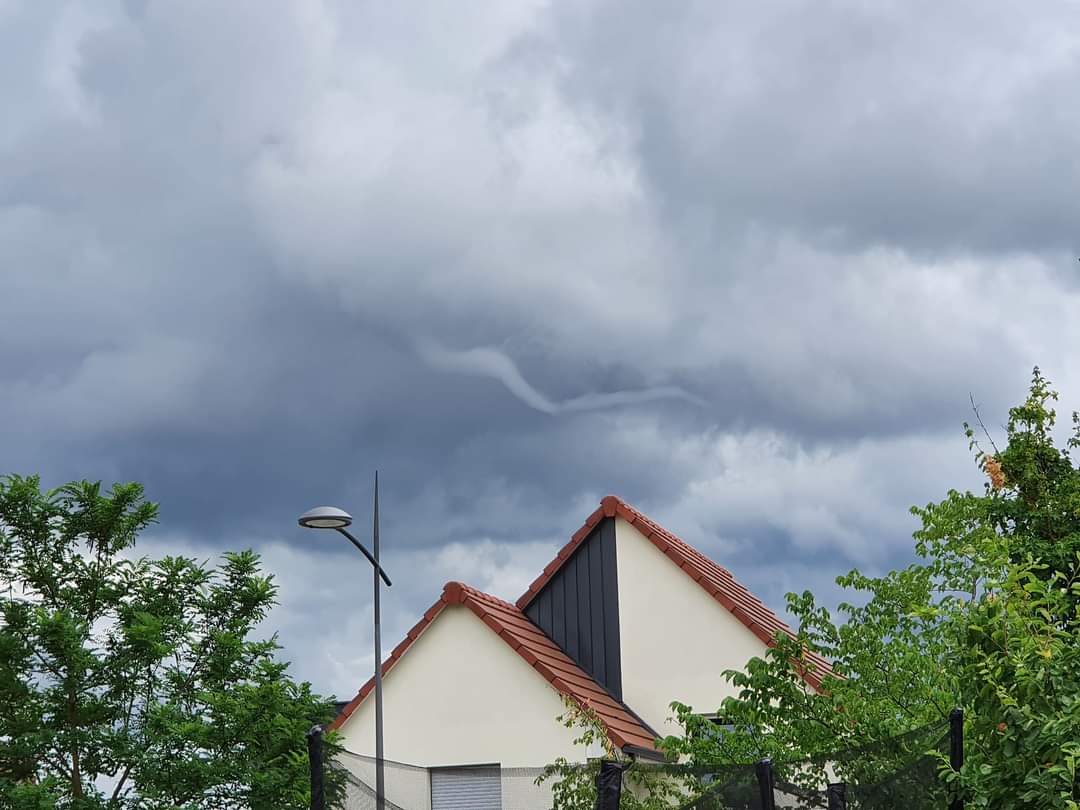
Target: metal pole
[
  {"x": 956, "y": 751},
  {"x": 315, "y": 761},
  {"x": 609, "y": 785},
  {"x": 765, "y": 784},
  {"x": 380, "y": 785},
  {"x": 837, "y": 796}
]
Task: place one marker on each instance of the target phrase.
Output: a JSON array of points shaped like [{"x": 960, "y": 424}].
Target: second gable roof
[{"x": 713, "y": 578}]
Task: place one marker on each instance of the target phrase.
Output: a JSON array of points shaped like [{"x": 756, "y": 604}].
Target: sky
[{"x": 742, "y": 264}]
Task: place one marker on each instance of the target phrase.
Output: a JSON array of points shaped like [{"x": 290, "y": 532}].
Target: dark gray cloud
[
  {"x": 741, "y": 265},
  {"x": 802, "y": 118}
]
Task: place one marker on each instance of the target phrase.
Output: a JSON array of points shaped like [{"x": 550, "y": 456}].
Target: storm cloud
[{"x": 741, "y": 264}]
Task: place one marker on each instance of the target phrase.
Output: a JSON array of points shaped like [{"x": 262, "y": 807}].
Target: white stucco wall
[
  {"x": 676, "y": 639},
  {"x": 461, "y": 696}
]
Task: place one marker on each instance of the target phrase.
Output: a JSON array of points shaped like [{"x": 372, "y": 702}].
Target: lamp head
[{"x": 325, "y": 517}]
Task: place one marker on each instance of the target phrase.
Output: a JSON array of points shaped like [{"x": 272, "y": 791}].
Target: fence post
[
  {"x": 315, "y": 760},
  {"x": 609, "y": 785},
  {"x": 837, "y": 795},
  {"x": 956, "y": 751},
  {"x": 765, "y": 784}
]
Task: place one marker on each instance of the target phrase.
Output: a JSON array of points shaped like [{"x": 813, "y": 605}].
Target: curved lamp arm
[{"x": 366, "y": 553}]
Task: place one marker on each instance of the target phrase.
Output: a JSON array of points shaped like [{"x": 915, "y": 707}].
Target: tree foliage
[
  {"x": 574, "y": 784},
  {"x": 986, "y": 619},
  {"x": 134, "y": 683}
]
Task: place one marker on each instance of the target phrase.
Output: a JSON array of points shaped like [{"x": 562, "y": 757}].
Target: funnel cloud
[{"x": 484, "y": 361}]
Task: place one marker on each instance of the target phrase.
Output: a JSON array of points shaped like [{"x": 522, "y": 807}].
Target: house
[{"x": 625, "y": 619}]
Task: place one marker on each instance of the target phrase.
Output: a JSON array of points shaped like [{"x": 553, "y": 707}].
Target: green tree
[
  {"x": 986, "y": 619},
  {"x": 134, "y": 683}
]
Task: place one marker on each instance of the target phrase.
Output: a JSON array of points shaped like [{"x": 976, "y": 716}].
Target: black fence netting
[
  {"x": 734, "y": 787},
  {"x": 406, "y": 786},
  {"x": 901, "y": 772}
]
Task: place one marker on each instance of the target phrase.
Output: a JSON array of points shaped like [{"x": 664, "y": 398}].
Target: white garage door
[{"x": 476, "y": 788}]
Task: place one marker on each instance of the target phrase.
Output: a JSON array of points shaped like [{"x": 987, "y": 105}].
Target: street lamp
[{"x": 330, "y": 517}]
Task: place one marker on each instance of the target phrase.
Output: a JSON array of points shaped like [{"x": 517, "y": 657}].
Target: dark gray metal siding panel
[
  {"x": 558, "y": 611},
  {"x": 585, "y": 656},
  {"x": 545, "y": 609},
  {"x": 578, "y": 608},
  {"x": 596, "y": 597},
  {"x": 466, "y": 789},
  {"x": 572, "y": 646},
  {"x": 610, "y": 583}
]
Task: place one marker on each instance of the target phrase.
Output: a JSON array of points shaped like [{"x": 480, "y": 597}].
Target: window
[{"x": 719, "y": 725}]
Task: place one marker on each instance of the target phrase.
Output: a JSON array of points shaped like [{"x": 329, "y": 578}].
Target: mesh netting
[
  {"x": 361, "y": 796},
  {"x": 520, "y": 791},
  {"x": 900, "y": 772},
  {"x": 408, "y": 787},
  {"x": 734, "y": 787}
]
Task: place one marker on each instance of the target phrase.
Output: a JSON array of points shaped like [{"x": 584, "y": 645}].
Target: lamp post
[{"x": 330, "y": 517}]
